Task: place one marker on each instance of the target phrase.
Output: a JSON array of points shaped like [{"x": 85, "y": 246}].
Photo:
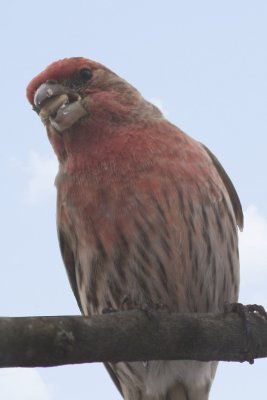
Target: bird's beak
[{"x": 58, "y": 105}]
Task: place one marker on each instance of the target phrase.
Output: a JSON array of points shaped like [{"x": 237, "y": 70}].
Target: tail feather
[
  {"x": 181, "y": 392},
  {"x": 177, "y": 392}
]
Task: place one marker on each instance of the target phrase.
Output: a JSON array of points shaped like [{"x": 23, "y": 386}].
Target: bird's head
[{"x": 74, "y": 90}]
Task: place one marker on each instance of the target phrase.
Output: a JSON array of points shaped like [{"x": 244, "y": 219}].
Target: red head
[
  {"x": 62, "y": 70},
  {"x": 81, "y": 101},
  {"x": 69, "y": 85}
]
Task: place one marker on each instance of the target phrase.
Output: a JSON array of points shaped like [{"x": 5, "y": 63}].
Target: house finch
[{"x": 146, "y": 215}]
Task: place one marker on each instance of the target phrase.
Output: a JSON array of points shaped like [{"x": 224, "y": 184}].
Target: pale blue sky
[{"x": 205, "y": 62}]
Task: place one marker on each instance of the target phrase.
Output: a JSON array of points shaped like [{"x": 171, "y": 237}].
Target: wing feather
[
  {"x": 69, "y": 261},
  {"x": 230, "y": 189}
]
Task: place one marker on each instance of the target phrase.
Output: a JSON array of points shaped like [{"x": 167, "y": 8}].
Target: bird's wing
[
  {"x": 69, "y": 261},
  {"x": 230, "y": 188}
]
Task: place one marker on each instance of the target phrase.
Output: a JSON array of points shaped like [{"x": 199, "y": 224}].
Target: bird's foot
[
  {"x": 256, "y": 308},
  {"x": 162, "y": 307},
  {"x": 152, "y": 309},
  {"x": 127, "y": 303},
  {"x": 109, "y": 310},
  {"x": 244, "y": 311},
  {"x": 148, "y": 310}
]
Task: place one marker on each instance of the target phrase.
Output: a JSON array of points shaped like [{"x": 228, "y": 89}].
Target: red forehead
[{"x": 59, "y": 70}]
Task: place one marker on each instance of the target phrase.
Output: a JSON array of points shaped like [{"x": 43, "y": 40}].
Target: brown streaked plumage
[{"x": 146, "y": 215}]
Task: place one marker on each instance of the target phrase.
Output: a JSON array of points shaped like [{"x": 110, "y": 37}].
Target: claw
[
  {"x": 244, "y": 311},
  {"x": 109, "y": 310},
  {"x": 255, "y": 308}
]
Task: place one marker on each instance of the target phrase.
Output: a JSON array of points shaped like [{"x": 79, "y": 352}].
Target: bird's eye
[{"x": 85, "y": 74}]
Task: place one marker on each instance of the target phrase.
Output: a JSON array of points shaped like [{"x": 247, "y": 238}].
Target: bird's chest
[{"x": 148, "y": 244}]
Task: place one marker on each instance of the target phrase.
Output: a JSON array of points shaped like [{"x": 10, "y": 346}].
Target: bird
[{"x": 146, "y": 215}]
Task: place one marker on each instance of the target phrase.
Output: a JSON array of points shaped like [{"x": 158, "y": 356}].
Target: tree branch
[{"x": 130, "y": 336}]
